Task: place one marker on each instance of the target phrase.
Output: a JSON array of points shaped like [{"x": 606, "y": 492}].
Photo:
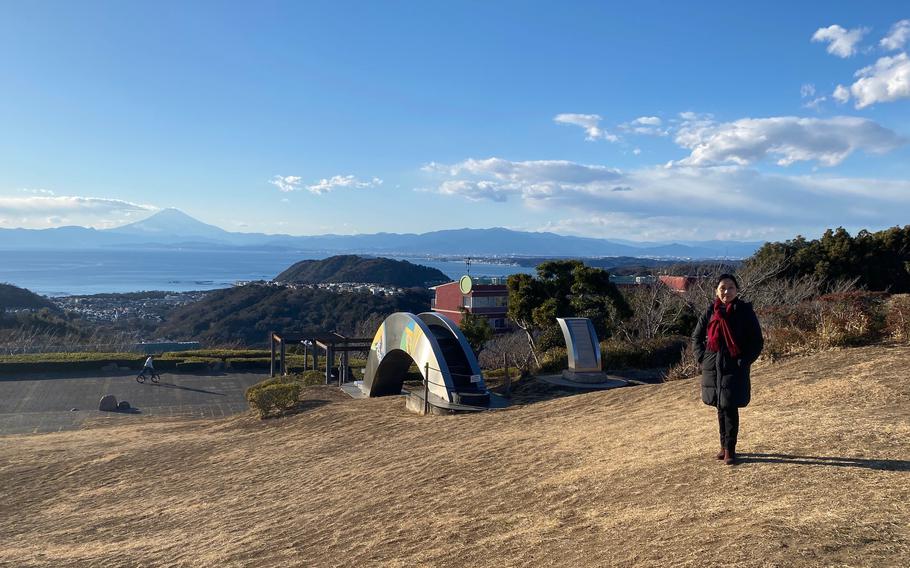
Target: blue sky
[{"x": 642, "y": 121}]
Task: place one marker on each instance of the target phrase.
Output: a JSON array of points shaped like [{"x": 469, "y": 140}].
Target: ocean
[{"x": 81, "y": 272}]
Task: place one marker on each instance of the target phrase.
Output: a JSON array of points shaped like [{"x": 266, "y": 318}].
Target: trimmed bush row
[{"x": 184, "y": 361}]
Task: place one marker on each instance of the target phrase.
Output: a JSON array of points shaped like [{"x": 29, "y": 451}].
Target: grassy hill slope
[
  {"x": 246, "y": 314},
  {"x": 13, "y": 297},
  {"x": 623, "y": 477}
]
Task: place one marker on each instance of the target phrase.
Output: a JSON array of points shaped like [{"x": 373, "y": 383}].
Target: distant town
[{"x": 153, "y": 306}]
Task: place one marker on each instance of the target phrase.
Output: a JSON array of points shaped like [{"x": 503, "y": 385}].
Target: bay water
[{"x": 81, "y": 272}]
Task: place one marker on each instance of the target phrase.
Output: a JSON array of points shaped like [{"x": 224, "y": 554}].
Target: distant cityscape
[{"x": 114, "y": 307}]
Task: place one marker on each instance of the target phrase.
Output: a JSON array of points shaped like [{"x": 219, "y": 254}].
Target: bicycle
[{"x": 153, "y": 375}]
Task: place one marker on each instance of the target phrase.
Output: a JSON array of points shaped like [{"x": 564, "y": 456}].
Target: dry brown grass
[{"x": 624, "y": 477}]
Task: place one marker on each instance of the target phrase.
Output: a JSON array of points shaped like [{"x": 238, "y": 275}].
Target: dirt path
[{"x": 623, "y": 477}]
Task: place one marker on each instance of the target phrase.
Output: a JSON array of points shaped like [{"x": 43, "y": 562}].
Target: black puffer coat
[{"x": 724, "y": 380}]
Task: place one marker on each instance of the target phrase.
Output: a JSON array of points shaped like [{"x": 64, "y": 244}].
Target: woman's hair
[{"x": 726, "y": 277}]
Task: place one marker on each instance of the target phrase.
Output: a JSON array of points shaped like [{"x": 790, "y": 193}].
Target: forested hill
[
  {"x": 245, "y": 314},
  {"x": 352, "y": 268},
  {"x": 13, "y": 298}
]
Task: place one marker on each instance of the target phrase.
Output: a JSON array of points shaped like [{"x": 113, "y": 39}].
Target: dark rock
[
  {"x": 108, "y": 403},
  {"x": 123, "y": 406}
]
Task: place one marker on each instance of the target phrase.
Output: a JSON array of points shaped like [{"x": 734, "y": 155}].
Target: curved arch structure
[{"x": 428, "y": 338}]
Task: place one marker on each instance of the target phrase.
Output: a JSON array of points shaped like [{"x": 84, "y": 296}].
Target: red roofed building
[
  {"x": 678, "y": 283},
  {"x": 475, "y": 296}
]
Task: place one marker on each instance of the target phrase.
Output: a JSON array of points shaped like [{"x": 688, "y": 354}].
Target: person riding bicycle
[{"x": 148, "y": 368}]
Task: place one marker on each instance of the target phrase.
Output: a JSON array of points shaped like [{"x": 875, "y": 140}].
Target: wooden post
[
  {"x": 306, "y": 357},
  {"x": 329, "y": 362},
  {"x": 272, "y": 346},
  {"x": 426, "y": 389},
  {"x": 343, "y": 372},
  {"x": 284, "y": 368},
  {"x": 507, "y": 382}
]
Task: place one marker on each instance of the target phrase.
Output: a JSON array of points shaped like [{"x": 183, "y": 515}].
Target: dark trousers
[{"x": 728, "y": 420}]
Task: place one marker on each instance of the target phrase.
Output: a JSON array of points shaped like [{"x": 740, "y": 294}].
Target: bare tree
[
  {"x": 655, "y": 309},
  {"x": 514, "y": 345}
]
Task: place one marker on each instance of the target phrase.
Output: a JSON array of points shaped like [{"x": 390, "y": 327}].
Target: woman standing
[{"x": 727, "y": 340}]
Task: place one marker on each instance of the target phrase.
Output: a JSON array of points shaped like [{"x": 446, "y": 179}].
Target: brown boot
[
  {"x": 729, "y": 457},
  {"x": 720, "y": 455}
]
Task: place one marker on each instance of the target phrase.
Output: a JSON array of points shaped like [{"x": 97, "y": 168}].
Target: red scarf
[{"x": 719, "y": 327}]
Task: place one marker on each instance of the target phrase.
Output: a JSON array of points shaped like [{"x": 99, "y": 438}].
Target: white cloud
[
  {"x": 690, "y": 116},
  {"x": 326, "y": 185},
  {"x": 44, "y": 211},
  {"x": 648, "y": 120},
  {"x": 659, "y": 202},
  {"x": 841, "y": 42},
  {"x": 816, "y": 103},
  {"x": 659, "y": 228},
  {"x": 590, "y": 123},
  {"x": 286, "y": 183},
  {"x": 479, "y": 190},
  {"x": 557, "y": 171},
  {"x": 841, "y": 94},
  {"x": 646, "y": 125},
  {"x": 789, "y": 139},
  {"x": 897, "y": 37},
  {"x": 807, "y": 91},
  {"x": 885, "y": 81},
  {"x": 36, "y": 191}
]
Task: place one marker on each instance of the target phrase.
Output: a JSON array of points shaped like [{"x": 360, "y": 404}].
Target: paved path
[{"x": 35, "y": 405}]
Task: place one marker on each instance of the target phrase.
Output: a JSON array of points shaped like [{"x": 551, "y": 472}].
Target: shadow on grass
[{"x": 882, "y": 465}]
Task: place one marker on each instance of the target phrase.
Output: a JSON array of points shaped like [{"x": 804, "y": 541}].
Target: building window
[{"x": 490, "y": 301}]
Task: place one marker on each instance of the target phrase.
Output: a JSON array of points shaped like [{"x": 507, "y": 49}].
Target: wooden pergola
[{"x": 330, "y": 342}]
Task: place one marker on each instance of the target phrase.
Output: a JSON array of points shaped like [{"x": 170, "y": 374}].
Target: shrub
[
  {"x": 554, "y": 360},
  {"x": 833, "y": 320},
  {"x": 686, "y": 368},
  {"x": 307, "y": 378},
  {"x": 219, "y": 354},
  {"x": 657, "y": 352},
  {"x": 851, "y": 318},
  {"x": 273, "y": 397},
  {"x": 897, "y": 317},
  {"x": 783, "y": 341},
  {"x": 251, "y": 364},
  {"x": 514, "y": 373}
]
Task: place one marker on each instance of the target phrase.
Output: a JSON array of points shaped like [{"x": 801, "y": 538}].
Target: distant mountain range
[{"x": 172, "y": 227}]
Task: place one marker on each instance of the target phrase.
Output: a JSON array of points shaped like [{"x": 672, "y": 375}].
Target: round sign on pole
[{"x": 465, "y": 284}]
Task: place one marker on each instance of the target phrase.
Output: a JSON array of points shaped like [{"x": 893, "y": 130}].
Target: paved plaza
[{"x": 52, "y": 403}]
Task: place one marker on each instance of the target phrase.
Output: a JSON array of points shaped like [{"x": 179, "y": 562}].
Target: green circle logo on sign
[{"x": 465, "y": 284}]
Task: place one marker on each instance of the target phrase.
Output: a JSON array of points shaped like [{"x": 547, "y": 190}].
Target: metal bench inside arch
[{"x": 438, "y": 348}]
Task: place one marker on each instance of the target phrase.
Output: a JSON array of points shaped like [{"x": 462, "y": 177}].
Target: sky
[{"x": 644, "y": 121}]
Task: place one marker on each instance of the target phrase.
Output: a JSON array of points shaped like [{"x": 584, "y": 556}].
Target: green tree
[
  {"x": 563, "y": 288},
  {"x": 878, "y": 260},
  {"x": 476, "y": 330}
]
